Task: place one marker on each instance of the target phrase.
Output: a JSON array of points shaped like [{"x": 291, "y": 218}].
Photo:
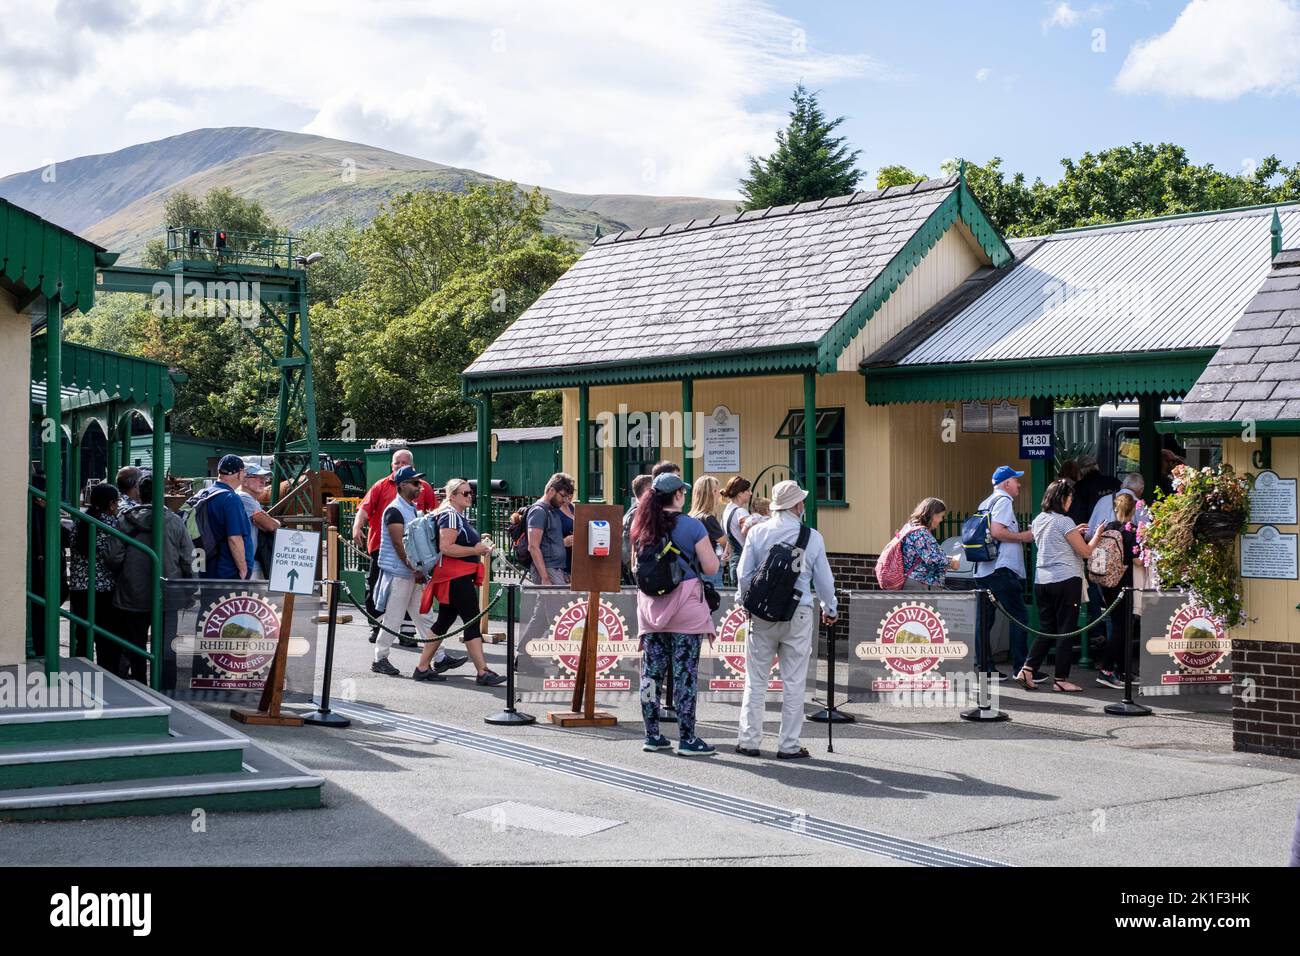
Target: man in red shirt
[{"x": 367, "y": 528}]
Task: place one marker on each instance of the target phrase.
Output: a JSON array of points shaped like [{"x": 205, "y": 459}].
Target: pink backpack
[{"x": 889, "y": 566}]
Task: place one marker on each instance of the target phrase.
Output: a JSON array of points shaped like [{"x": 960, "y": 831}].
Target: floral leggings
[{"x": 684, "y": 651}]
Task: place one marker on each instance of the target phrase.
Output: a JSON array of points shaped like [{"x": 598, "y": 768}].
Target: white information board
[
  {"x": 1272, "y": 499},
  {"x": 1268, "y": 553},
  {"x": 722, "y": 441},
  {"x": 1006, "y": 418},
  {"x": 293, "y": 562},
  {"x": 974, "y": 417}
]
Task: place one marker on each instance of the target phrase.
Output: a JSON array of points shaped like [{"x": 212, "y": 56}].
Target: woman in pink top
[{"x": 672, "y": 624}]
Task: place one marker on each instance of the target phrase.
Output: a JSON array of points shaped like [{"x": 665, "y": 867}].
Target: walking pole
[
  {"x": 324, "y": 717},
  {"x": 1126, "y": 707},
  {"x": 983, "y": 679},
  {"x": 510, "y": 716}
]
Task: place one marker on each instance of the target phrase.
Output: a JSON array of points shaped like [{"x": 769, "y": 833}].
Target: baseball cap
[
  {"x": 230, "y": 464},
  {"x": 254, "y": 470},
  {"x": 407, "y": 473},
  {"x": 667, "y": 482},
  {"x": 1005, "y": 472}
]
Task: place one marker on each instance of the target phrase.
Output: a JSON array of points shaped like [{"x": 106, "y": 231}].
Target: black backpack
[
  {"x": 772, "y": 595},
  {"x": 519, "y": 554},
  {"x": 659, "y": 568}
]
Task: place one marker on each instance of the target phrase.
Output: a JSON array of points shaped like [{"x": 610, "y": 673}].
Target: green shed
[{"x": 524, "y": 458}]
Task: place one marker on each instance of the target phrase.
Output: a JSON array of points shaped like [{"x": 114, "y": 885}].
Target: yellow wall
[
  {"x": 1271, "y": 603},
  {"x": 15, "y": 378},
  {"x": 894, "y": 455}
]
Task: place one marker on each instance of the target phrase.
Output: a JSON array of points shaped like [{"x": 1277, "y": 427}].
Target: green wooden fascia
[
  {"x": 1094, "y": 376},
  {"x": 100, "y": 377},
  {"x": 42, "y": 257},
  {"x": 959, "y": 204},
  {"x": 703, "y": 365},
  {"x": 1277, "y": 426}
]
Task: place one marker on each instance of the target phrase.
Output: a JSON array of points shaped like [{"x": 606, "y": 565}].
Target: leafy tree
[
  {"x": 809, "y": 162},
  {"x": 897, "y": 176},
  {"x": 219, "y": 208},
  {"x": 1009, "y": 203}
]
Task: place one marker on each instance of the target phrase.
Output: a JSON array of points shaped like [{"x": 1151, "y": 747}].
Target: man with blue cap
[
  {"x": 1004, "y": 577},
  {"x": 231, "y": 529}
]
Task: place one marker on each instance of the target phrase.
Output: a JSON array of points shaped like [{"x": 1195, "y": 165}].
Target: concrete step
[
  {"x": 194, "y": 744},
  {"x": 265, "y": 781},
  {"x": 84, "y": 704}
]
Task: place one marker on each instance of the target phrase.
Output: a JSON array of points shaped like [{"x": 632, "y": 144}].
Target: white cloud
[
  {"x": 1064, "y": 16},
  {"x": 575, "y": 94},
  {"x": 1220, "y": 50},
  {"x": 982, "y": 74}
]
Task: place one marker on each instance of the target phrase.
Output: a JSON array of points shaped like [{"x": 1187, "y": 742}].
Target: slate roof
[
  {"x": 1165, "y": 284},
  {"x": 763, "y": 279},
  {"x": 1256, "y": 372}
]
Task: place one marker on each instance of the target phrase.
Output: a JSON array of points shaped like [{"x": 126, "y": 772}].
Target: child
[{"x": 758, "y": 513}]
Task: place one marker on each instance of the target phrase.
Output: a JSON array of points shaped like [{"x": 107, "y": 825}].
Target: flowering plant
[{"x": 1191, "y": 539}]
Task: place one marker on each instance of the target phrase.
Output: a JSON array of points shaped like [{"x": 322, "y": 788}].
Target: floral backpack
[
  {"x": 1106, "y": 565},
  {"x": 889, "y": 566}
]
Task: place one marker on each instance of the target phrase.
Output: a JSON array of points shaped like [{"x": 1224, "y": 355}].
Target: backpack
[
  {"x": 198, "y": 525},
  {"x": 772, "y": 595},
  {"x": 977, "y": 541},
  {"x": 519, "y": 553},
  {"x": 420, "y": 539},
  {"x": 890, "y": 574},
  {"x": 1106, "y": 565}
]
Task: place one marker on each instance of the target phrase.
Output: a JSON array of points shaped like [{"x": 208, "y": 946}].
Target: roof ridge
[
  {"x": 1232, "y": 212},
  {"x": 750, "y": 215}
]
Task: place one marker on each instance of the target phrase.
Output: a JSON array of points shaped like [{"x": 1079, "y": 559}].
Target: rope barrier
[
  {"x": 375, "y": 622},
  {"x": 1082, "y": 630}
]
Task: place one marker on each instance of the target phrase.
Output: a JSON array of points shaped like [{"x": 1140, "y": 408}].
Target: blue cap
[
  {"x": 667, "y": 483},
  {"x": 1005, "y": 472},
  {"x": 407, "y": 473},
  {"x": 230, "y": 464}
]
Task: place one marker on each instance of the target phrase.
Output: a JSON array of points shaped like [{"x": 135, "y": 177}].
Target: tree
[
  {"x": 219, "y": 208},
  {"x": 897, "y": 176},
  {"x": 809, "y": 163}
]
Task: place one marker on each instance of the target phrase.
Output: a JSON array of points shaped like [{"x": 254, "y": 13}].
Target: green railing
[{"x": 93, "y": 630}]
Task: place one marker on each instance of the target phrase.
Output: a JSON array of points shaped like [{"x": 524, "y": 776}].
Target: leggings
[
  {"x": 1058, "y": 613},
  {"x": 462, "y": 602},
  {"x": 684, "y": 652}
]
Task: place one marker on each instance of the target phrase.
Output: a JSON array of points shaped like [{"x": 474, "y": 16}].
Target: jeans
[
  {"x": 403, "y": 598},
  {"x": 1009, "y": 590}
]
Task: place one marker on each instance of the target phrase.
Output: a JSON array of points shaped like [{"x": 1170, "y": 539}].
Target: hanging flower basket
[{"x": 1219, "y": 527}]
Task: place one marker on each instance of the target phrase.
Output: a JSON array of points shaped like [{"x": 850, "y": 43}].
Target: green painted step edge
[
  {"x": 295, "y": 798},
  {"x": 58, "y": 773},
  {"x": 153, "y": 725}
]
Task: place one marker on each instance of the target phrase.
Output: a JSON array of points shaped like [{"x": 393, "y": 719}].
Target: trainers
[
  {"x": 695, "y": 747},
  {"x": 489, "y": 679},
  {"x": 428, "y": 674},
  {"x": 1040, "y": 676},
  {"x": 384, "y": 666},
  {"x": 374, "y": 636},
  {"x": 449, "y": 663},
  {"x": 657, "y": 742},
  {"x": 996, "y": 677},
  {"x": 1110, "y": 679}
]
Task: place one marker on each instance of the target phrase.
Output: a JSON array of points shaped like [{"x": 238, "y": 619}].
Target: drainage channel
[{"x": 738, "y": 808}]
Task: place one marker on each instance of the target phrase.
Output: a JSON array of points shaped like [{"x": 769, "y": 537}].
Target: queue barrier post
[
  {"x": 667, "y": 712},
  {"x": 1127, "y": 707},
  {"x": 830, "y": 715},
  {"x": 510, "y": 716},
  {"x": 984, "y": 709},
  {"x": 323, "y": 716}
]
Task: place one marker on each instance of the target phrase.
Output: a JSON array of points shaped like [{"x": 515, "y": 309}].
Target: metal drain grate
[
  {"x": 788, "y": 821},
  {"x": 525, "y": 816}
]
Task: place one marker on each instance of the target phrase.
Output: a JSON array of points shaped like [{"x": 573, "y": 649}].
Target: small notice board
[{"x": 293, "y": 561}]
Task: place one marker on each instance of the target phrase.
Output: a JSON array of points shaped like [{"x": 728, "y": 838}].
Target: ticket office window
[{"x": 829, "y": 431}]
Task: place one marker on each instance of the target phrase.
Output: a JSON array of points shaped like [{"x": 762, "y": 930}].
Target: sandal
[
  {"x": 1065, "y": 687},
  {"x": 1025, "y": 678}
]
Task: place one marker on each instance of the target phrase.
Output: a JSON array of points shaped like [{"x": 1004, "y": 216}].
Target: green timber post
[
  {"x": 483, "y": 499},
  {"x": 1041, "y": 470},
  {"x": 584, "y": 439},
  {"x": 158, "y": 471},
  {"x": 1149, "y": 441},
  {"x": 1275, "y": 235},
  {"x": 688, "y": 437},
  {"x": 52, "y": 434},
  {"x": 810, "y": 445}
]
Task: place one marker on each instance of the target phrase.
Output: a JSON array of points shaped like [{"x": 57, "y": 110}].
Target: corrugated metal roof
[
  {"x": 543, "y": 433},
  {"x": 768, "y": 278},
  {"x": 1154, "y": 285}
]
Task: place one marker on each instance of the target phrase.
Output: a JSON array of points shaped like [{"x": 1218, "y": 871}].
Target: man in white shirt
[
  {"x": 1005, "y": 576},
  {"x": 790, "y": 641}
]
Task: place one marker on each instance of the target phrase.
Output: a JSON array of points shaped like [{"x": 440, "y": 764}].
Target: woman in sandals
[{"x": 1058, "y": 582}]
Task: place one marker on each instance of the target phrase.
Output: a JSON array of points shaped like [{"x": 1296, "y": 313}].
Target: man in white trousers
[
  {"x": 790, "y": 641},
  {"x": 400, "y": 585}
]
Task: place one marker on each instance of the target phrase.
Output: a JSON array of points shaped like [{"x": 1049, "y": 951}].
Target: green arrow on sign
[{"x": 292, "y": 575}]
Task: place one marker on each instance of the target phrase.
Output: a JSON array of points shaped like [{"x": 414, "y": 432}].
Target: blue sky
[{"x": 666, "y": 98}]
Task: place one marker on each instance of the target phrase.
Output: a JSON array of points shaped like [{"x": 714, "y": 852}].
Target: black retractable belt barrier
[
  {"x": 667, "y": 712},
  {"x": 1127, "y": 707},
  {"x": 324, "y": 717},
  {"x": 985, "y": 711},
  {"x": 510, "y": 716}
]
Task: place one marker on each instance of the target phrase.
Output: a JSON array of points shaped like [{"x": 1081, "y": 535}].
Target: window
[
  {"x": 595, "y": 462},
  {"x": 829, "y": 430}
]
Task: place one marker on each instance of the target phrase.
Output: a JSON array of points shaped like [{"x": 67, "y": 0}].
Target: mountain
[{"x": 116, "y": 199}]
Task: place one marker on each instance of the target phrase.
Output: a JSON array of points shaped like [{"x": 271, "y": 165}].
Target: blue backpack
[{"x": 977, "y": 541}]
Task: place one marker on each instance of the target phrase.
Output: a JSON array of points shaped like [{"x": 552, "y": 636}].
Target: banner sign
[
  {"x": 551, "y": 628},
  {"x": 220, "y": 638},
  {"x": 905, "y": 642},
  {"x": 1182, "y": 651}
]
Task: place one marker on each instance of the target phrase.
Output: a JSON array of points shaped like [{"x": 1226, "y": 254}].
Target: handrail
[{"x": 154, "y": 652}]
